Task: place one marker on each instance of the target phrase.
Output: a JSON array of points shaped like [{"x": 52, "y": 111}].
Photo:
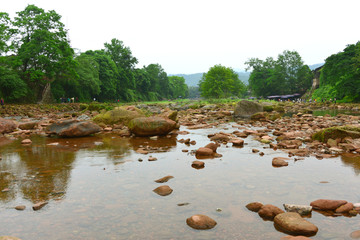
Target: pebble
[{"x": 20, "y": 207}]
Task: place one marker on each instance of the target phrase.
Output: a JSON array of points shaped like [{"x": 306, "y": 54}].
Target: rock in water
[
  {"x": 300, "y": 209},
  {"x": 73, "y": 128},
  {"x": 327, "y": 204},
  {"x": 6, "y": 125},
  {"x": 269, "y": 211},
  {"x": 254, "y": 206},
  {"x": 198, "y": 164},
  {"x": 163, "y": 190},
  {"x": 39, "y": 205},
  {"x": 151, "y": 126},
  {"x": 293, "y": 223},
  {"x": 245, "y": 109},
  {"x": 201, "y": 222},
  {"x": 164, "y": 179}
]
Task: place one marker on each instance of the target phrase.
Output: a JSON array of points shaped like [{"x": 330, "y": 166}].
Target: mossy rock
[
  {"x": 268, "y": 108},
  {"x": 279, "y": 109},
  {"x": 324, "y": 135},
  {"x": 245, "y": 109},
  {"x": 259, "y": 116},
  {"x": 83, "y": 106},
  {"x": 118, "y": 115}
]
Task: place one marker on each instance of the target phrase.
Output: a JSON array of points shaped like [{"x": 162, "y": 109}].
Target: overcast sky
[{"x": 190, "y": 36}]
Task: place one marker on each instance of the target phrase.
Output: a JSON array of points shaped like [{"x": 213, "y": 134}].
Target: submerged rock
[
  {"x": 280, "y": 162},
  {"x": 39, "y": 205},
  {"x": 201, "y": 222},
  {"x": 293, "y": 223}
]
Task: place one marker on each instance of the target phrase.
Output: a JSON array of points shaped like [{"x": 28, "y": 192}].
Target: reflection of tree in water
[
  {"x": 50, "y": 166},
  {"x": 116, "y": 147},
  {"x": 352, "y": 160},
  {"x": 38, "y": 171},
  {"x": 162, "y": 143}
]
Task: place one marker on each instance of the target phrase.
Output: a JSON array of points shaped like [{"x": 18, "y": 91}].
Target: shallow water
[{"x": 98, "y": 188}]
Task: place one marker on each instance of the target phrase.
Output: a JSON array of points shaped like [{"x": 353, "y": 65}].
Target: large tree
[
  {"x": 286, "y": 75},
  {"x": 221, "y": 82},
  {"x": 178, "y": 87},
  {"x": 42, "y": 49},
  {"x": 340, "y": 76}
]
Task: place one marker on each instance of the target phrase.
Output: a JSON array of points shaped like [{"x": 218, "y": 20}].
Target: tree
[
  {"x": 6, "y": 32},
  {"x": 286, "y": 75},
  {"x": 125, "y": 64},
  {"x": 221, "y": 82},
  {"x": 108, "y": 75},
  {"x": 340, "y": 75},
  {"x": 42, "y": 48},
  {"x": 159, "y": 81},
  {"x": 178, "y": 88}
]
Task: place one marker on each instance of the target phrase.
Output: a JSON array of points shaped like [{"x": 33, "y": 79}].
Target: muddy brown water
[{"x": 98, "y": 188}]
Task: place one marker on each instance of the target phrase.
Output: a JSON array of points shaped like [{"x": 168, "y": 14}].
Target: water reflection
[{"x": 353, "y": 160}]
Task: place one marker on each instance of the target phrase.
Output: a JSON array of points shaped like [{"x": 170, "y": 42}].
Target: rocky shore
[{"x": 287, "y": 127}]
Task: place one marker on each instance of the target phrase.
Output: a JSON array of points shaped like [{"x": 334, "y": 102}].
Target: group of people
[{"x": 68, "y": 100}]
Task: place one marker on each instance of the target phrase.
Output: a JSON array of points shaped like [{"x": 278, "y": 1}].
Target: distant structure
[{"x": 316, "y": 80}]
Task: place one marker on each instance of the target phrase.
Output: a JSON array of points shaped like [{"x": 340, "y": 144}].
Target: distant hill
[{"x": 192, "y": 80}]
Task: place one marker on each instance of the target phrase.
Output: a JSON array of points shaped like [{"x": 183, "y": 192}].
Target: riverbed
[{"x": 100, "y": 187}]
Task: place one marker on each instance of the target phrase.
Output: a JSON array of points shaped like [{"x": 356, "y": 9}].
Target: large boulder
[
  {"x": 341, "y": 132},
  {"x": 151, "y": 126},
  {"x": 73, "y": 128},
  {"x": 293, "y": 223},
  {"x": 245, "y": 109},
  {"x": 119, "y": 115},
  {"x": 7, "y": 125}
]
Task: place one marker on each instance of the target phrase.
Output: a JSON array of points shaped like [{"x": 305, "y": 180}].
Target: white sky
[{"x": 190, "y": 36}]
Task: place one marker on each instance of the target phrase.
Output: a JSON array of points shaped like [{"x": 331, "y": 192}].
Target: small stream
[{"x": 101, "y": 188}]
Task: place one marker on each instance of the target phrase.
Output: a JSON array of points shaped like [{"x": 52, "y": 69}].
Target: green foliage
[
  {"x": 12, "y": 87},
  {"x": 220, "y": 82},
  {"x": 340, "y": 76},
  {"x": 178, "y": 88},
  {"x": 286, "y": 75}
]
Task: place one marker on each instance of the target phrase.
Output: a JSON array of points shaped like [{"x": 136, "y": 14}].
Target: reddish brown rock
[
  {"x": 220, "y": 137},
  {"x": 164, "y": 179},
  {"x": 151, "y": 126},
  {"x": 26, "y": 141},
  {"x": 163, "y": 190},
  {"x": 204, "y": 153},
  {"x": 293, "y": 223},
  {"x": 254, "y": 206},
  {"x": 212, "y": 146},
  {"x": 198, "y": 164},
  {"x": 20, "y": 207},
  {"x": 28, "y": 125},
  {"x": 327, "y": 204},
  {"x": 9, "y": 238},
  {"x": 295, "y": 238},
  {"x": 269, "y": 211},
  {"x": 345, "y": 208},
  {"x": 201, "y": 222},
  {"x": 39, "y": 205},
  {"x": 237, "y": 142},
  {"x": 280, "y": 162},
  {"x": 73, "y": 128},
  {"x": 355, "y": 234},
  {"x": 151, "y": 158},
  {"x": 6, "y": 125}
]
